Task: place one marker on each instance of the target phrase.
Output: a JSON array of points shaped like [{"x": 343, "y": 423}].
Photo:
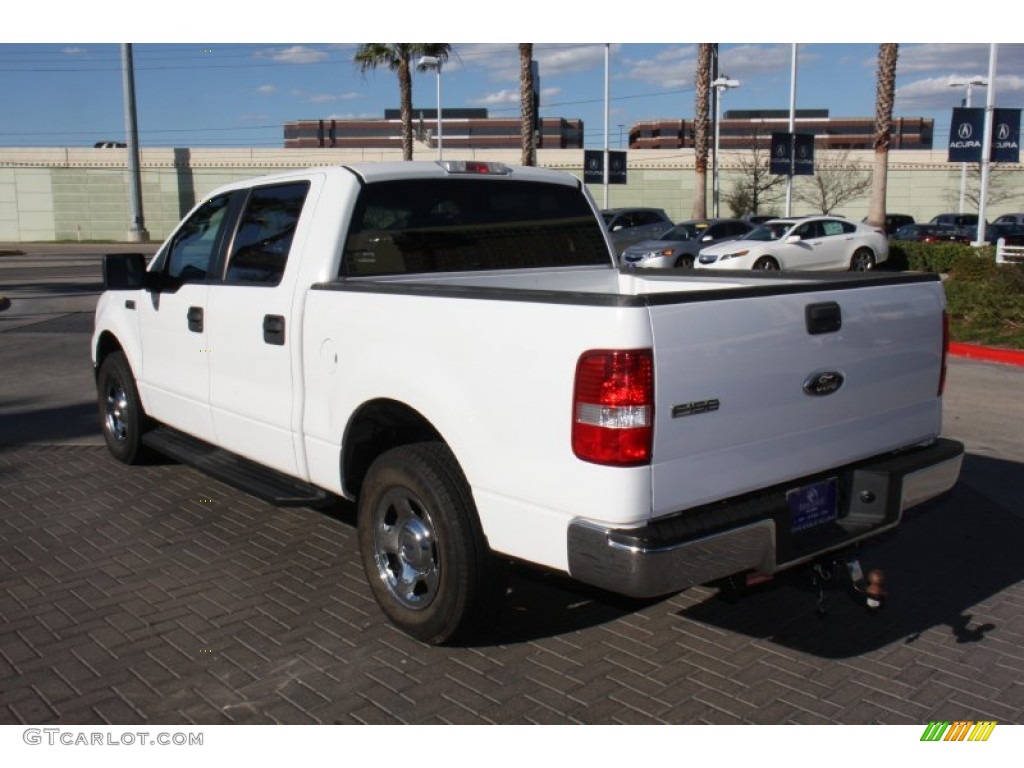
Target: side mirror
[
  {"x": 793, "y": 239},
  {"x": 707, "y": 239},
  {"x": 124, "y": 271}
]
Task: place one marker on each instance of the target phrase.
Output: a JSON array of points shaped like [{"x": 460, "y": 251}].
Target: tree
[
  {"x": 700, "y": 131},
  {"x": 884, "y": 97},
  {"x": 757, "y": 184},
  {"x": 397, "y": 57},
  {"x": 528, "y": 104},
  {"x": 1002, "y": 187},
  {"x": 836, "y": 181}
]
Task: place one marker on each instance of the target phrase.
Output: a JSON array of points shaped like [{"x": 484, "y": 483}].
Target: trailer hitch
[{"x": 828, "y": 574}]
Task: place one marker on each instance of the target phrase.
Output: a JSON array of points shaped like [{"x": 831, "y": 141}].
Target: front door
[{"x": 175, "y": 378}]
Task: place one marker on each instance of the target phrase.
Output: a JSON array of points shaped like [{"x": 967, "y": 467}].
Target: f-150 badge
[{"x": 823, "y": 383}]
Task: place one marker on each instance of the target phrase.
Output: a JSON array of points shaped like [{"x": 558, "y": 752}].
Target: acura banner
[
  {"x": 792, "y": 154},
  {"x": 967, "y": 135}
]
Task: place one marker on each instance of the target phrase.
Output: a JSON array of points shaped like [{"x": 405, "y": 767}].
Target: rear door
[
  {"x": 733, "y": 412},
  {"x": 252, "y": 327}
]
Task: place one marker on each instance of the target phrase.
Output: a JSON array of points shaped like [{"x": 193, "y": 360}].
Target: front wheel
[
  {"x": 766, "y": 263},
  {"x": 120, "y": 410},
  {"x": 422, "y": 548},
  {"x": 862, "y": 261},
  {"x": 684, "y": 262}
]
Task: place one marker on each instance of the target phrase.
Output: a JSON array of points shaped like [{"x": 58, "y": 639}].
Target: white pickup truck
[{"x": 451, "y": 345}]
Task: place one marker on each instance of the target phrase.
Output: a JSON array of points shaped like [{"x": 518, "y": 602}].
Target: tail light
[
  {"x": 613, "y": 407},
  {"x": 945, "y": 351}
]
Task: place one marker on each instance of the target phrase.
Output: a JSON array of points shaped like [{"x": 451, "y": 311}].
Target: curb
[{"x": 987, "y": 354}]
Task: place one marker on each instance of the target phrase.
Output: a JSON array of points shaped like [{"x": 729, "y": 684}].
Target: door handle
[
  {"x": 273, "y": 329},
  {"x": 195, "y": 319}
]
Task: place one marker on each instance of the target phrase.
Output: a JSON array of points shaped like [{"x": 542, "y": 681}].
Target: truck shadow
[{"x": 948, "y": 557}]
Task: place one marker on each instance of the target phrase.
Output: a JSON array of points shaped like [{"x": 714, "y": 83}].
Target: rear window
[{"x": 455, "y": 225}]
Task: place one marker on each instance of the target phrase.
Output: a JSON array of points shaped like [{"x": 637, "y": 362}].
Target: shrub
[
  {"x": 933, "y": 257},
  {"x": 986, "y": 302}
]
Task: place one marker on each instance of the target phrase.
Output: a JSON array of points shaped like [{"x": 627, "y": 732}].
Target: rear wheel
[
  {"x": 863, "y": 260},
  {"x": 120, "y": 410},
  {"x": 766, "y": 263},
  {"x": 422, "y": 548}
]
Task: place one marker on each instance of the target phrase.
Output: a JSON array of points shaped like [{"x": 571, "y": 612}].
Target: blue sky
[{"x": 60, "y": 81}]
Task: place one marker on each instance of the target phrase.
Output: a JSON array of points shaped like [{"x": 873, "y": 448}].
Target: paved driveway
[{"x": 155, "y": 594}]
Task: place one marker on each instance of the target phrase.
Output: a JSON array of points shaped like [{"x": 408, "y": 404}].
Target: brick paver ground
[{"x": 155, "y": 594}]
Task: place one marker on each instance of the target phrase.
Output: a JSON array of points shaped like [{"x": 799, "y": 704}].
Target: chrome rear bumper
[{"x": 752, "y": 533}]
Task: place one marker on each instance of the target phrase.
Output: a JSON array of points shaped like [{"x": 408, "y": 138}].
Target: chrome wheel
[
  {"x": 424, "y": 554},
  {"x": 120, "y": 411},
  {"x": 862, "y": 261},
  {"x": 406, "y": 550},
  {"x": 766, "y": 263},
  {"x": 116, "y": 411}
]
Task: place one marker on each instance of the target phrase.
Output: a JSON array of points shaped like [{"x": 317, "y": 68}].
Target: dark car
[
  {"x": 759, "y": 218},
  {"x": 931, "y": 233},
  {"x": 1010, "y": 218},
  {"x": 963, "y": 221},
  {"x": 631, "y": 225},
  {"x": 894, "y": 221},
  {"x": 679, "y": 246},
  {"x": 1011, "y": 234}
]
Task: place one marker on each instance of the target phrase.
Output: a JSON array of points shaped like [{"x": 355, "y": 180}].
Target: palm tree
[
  {"x": 528, "y": 104},
  {"x": 700, "y": 131},
  {"x": 887, "y": 54},
  {"x": 397, "y": 57}
]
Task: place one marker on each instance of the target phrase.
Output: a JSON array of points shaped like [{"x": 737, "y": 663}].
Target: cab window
[
  {"x": 195, "y": 246},
  {"x": 265, "y": 231}
]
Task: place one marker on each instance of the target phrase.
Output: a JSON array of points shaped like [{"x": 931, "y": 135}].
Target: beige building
[{"x": 73, "y": 194}]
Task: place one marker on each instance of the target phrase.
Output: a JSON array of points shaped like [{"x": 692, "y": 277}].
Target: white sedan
[{"x": 813, "y": 242}]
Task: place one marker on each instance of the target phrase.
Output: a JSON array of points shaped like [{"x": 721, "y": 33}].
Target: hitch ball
[{"x": 874, "y": 591}]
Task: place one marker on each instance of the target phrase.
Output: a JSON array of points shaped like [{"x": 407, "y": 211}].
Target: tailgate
[{"x": 756, "y": 388}]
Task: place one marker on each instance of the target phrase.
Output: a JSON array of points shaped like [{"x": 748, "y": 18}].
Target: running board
[{"x": 262, "y": 482}]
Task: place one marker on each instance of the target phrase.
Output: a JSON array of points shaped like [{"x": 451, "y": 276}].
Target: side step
[{"x": 264, "y": 483}]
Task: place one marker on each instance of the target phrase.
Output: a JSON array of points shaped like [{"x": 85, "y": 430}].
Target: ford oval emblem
[{"x": 824, "y": 383}]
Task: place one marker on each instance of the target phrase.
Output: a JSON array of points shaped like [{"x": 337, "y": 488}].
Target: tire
[
  {"x": 863, "y": 260},
  {"x": 121, "y": 415},
  {"x": 422, "y": 547},
  {"x": 766, "y": 263},
  {"x": 684, "y": 262}
]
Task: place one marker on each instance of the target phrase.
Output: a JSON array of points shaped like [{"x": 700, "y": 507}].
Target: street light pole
[
  {"x": 433, "y": 62},
  {"x": 720, "y": 84},
  {"x": 967, "y": 103}
]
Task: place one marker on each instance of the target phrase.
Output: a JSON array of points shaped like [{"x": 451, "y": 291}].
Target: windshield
[
  {"x": 684, "y": 232},
  {"x": 767, "y": 232}
]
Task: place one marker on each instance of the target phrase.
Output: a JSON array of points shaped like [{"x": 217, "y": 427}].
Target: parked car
[
  {"x": 633, "y": 225},
  {"x": 894, "y": 221},
  {"x": 931, "y": 233},
  {"x": 1012, "y": 234},
  {"x": 814, "y": 242},
  {"x": 1010, "y": 218},
  {"x": 759, "y": 218},
  {"x": 961, "y": 220},
  {"x": 679, "y": 246}
]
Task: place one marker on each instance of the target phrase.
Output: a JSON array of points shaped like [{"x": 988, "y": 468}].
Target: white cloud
[
  {"x": 510, "y": 97},
  {"x": 298, "y": 54},
  {"x": 503, "y": 97},
  {"x": 501, "y": 60},
  {"x": 267, "y": 88},
  {"x": 72, "y": 50},
  {"x": 935, "y": 93},
  {"x": 323, "y": 98}
]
